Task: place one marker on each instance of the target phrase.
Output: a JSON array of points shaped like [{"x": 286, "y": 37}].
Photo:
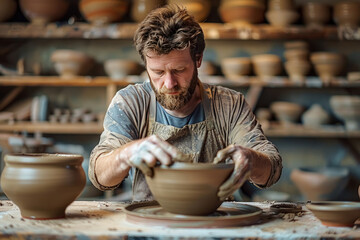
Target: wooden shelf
[
  {"x": 102, "y": 81},
  {"x": 53, "y": 128},
  {"x": 211, "y": 31}
]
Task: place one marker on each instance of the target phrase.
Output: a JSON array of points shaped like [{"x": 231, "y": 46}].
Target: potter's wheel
[{"x": 227, "y": 215}]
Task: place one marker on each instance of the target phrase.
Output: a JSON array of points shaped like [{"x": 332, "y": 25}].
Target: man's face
[{"x": 173, "y": 77}]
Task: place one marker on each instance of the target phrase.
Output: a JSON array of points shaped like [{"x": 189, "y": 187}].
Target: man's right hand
[{"x": 151, "y": 150}]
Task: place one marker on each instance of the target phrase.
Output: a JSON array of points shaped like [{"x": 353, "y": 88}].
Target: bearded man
[{"x": 176, "y": 115}]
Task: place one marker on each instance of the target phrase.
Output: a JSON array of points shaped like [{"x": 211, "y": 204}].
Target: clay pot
[
  {"x": 286, "y": 112},
  {"x": 315, "y": 14},
  {"x": 117, "y": 69},
  {"x": 281, "y": 5},
  {"x": 320, "y": 184},
  {"x": 296, "y": 54},
  {"x": 266, "y": 65},
  {"x": 44, "y": 11},
  {"x": 346, "y": 13},
  {"x": 100, "y": 12},
  {"x": 233, "y": 68},
  {"x": 335, "y": 214},
  {"x": 347, "y": 109},
  {"x": 43, "y": 185},
  {"x": 207, "y": 68},
  {"x": 189, "y": 188},
  {"x": 281, "y": 18},
  {"x": 141, "y": 8},
  {"x": 297, "y": 69},
  {"x": 7, "y": 10},
  {"x": 200, "y": 9},
  {"x": 327, "y": 64},
  {"x": 315, "y": 116},
  {"x": 299, "y": 45},
  {"x": 242, "y": 12},
  {"x": 70, "y": 63}
]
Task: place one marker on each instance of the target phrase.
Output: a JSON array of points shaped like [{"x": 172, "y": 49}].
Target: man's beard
[{"x": 176, "y": 102}]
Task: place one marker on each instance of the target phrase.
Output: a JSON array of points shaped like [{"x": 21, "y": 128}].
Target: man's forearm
[{"x": 261, "y": 168}]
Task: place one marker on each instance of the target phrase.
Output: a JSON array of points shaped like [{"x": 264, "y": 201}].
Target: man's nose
[{"x": 170, "y": 81}]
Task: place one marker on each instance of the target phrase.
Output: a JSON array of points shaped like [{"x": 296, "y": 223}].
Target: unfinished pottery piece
[
  {"x": 189, "y": 188},
  {"x": 315, "y": 116},
  {"x": 347, "y": 109},
  {"x": 227, "y": 215},
  {"x": 43, "y": 185},
  {"x": 320, "y": 184},
  {"x": 335, "y": 214}
]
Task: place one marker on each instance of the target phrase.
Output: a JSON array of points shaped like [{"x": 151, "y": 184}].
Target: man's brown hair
[{"x": 169, "y": 28}]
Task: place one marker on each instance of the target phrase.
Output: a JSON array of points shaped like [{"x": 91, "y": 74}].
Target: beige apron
[{"x": 200, "y": 140}]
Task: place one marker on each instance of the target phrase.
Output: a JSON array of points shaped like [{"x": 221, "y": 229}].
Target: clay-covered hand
[
  {"x": 150, "y": 151},
  {"x": 241, "y": 157}
]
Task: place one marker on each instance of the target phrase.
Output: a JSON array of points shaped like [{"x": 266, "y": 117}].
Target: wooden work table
[{"x": 107, "y": 220}]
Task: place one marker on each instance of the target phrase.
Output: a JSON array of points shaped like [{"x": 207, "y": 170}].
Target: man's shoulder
[
  {"x": 221, "y": 92},
  {"x": 138, "y": 89}
]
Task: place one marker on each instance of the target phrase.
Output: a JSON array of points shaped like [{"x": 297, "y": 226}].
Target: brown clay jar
[
  {"x": 43, "y": 185},
  {"x": 141, "y": 8}
]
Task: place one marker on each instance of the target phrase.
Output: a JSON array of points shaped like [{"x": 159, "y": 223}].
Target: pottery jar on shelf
[
  {"x": 315, "y": 116},
  {"x": 140, "y": 8},
  {"x": 43, "y": 185}
]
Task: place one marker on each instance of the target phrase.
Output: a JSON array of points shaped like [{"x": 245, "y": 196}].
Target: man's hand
[
  {"x": 151, "y": 150},
  {"x": 242, "y": 160}
]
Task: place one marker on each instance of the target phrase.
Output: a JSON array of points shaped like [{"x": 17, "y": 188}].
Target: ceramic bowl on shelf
[
  {"x": 281, "y": 5},
  {"x": 281, "y": 18},
  {"x": 296, "y": 54},
  {"x": 117, "y": 69},
  {"x": 316, "y": 14},
  {"x": 141, "y": 8},
  {"x": 100, "y": 12},
  {"x": 43, "y": 185},
  {"x": 266, "y": 65},
  {"x": 298, "y": 45},
  {"x": 286, "y": 112},
  {"x": 189, "y": 188},
  {"x": 335, "y": 214},
  {"x": 346, "y": 13},
  {"x": 347, "y": 109},
  {"x": 235, "y": 67},
  {"x": 327, "y": 64},
  {"x": 297, "y": 69},
  {"x": 7, "y": 10},
  {"x": 200, "y": 9},
  {"x": 320, "y": 184},
  {"x": 315, "y": 116},
  {"x": 207, "y": 68},
  {"x": 242, "y": 12},
  {"x": 44, "y": 11},
  {"x": 70, "y": 63}
]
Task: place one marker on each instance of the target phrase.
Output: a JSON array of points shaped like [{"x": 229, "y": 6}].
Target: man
[{"x": 175, "y": 115}]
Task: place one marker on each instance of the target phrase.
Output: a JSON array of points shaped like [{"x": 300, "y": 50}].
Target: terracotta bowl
[
  {"x": 70, "y": 63},
  {"x": 347, "y": 109},
  {"x": 44, "y": 11},
  {"x": 335, "y": 214},
  {"x": 346, "y": 13},
  {"x": 266, "y": 65},
  {"x": 296, "y": 54},
  {"x": 316, "y": 14},
  {"x": 200, "y": 9},
  {"x": 286, "y": 112},
  {"x": 189, "y": 188},
  {"x": 320, "y": 184},
  {"x": 43, "y": 185},
  {"x": 243, "y": 12},
  {"x": 281, "y": 18},
  {"x": 101, "y": 12},
  {"x": 297, "y": 69},
  {"x": 300, "y": 45},
  {"x": 328, "y": 65},
  {"x": 117, "y": 69},
  {"x": 281, "y": 5},
  {"x": 7, "y": 10},
  {"x": 233, "y": 68},
  {"x": 141, "y": 8},
  {"x": 207, "y": 68}
]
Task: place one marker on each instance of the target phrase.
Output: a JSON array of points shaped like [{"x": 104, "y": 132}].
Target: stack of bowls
[
  {"x": 327, "y": 65},
  {"x": 346, "y": 14},
  {"x": 266, "y": 65},
  {"x": 281, "y": 13},
  {"x": 347, "y": 108},
  {"x": 235, "y": 68},
  {"x": 315, "y": 14},
  {"x": 297, "y": 63},
  {"x": 242, "y": 11},
  {"x": 101, "y": 12}
]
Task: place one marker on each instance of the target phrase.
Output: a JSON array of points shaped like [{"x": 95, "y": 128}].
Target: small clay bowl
[
  {"x": 335, "y": 214},
  {"x": 189, "y": 188},
  {"x": 43, "y": 185},
  {"x": 117, "y": 69}
]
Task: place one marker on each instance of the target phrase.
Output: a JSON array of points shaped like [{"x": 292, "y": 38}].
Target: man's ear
[{"x": 198, "y": 60}]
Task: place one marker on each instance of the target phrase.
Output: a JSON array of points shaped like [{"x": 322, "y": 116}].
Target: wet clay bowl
[
  {"x": 44, "y": 11},
  {"x": 70, "y": 63},
  {"x": 335, "y": 214},
  {"x": 189, "y": 188},
  {"x": 43, "y": 185}
]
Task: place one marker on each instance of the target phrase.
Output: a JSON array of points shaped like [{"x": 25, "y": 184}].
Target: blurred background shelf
[{"x": 211, "y": 31}]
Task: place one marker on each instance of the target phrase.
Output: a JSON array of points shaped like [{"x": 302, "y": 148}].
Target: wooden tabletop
[{"x": 107, "y": 220}]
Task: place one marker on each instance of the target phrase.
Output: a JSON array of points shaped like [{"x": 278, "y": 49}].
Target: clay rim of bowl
[
  {"x": 333, "y": 206},
  {"x": 196, "y": 166},
  {"x": 41, "y": 158}
]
